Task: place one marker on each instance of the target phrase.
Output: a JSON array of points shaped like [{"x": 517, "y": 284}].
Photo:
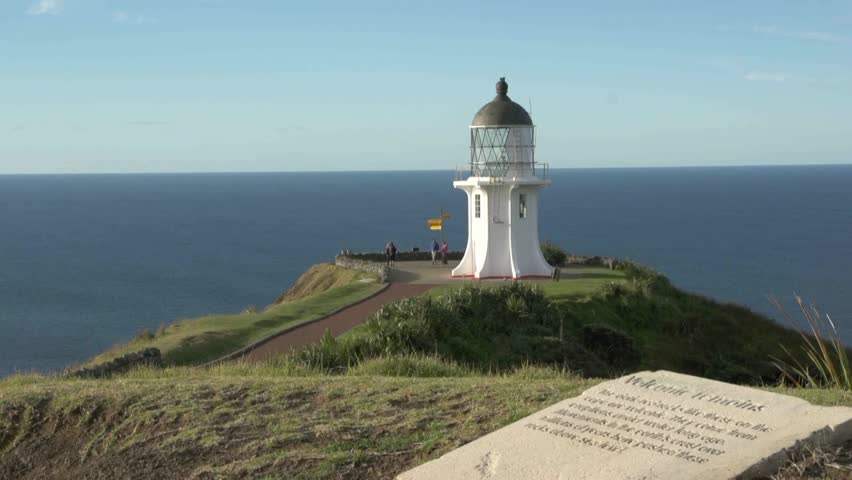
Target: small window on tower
[
  {"x": 476, "y": 205},
  {"x": 522, "y": 205}
]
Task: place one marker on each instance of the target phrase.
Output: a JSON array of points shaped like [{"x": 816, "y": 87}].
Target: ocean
[{"x": 88, "y": 261}]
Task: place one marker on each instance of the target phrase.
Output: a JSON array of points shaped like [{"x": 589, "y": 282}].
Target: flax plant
[{"x": 827, "y": 363}]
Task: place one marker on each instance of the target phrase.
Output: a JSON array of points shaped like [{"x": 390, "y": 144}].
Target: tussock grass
[
  {"x": 411, "y": 365},
  {"x": 321, "y": 278},
  {"x": 826, "y": 363},
  {"x": 235, "y": 423},
  {"x": 487, "y": 329},
  {"x": 272, "y": 420},
  {"x": 500, "y": 326}
]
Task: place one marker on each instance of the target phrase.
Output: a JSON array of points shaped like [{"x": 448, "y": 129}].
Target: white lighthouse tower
[{"x": 502, "y": 193}]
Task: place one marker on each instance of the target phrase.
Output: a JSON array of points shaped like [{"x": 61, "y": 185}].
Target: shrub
[
  {"x": 415, "y": 365},
  {"x": 613, "y": 346},
  {"x": 528, "y": 371},
  {"x": 644, "y": 279},
  {"x": 486, "y": 328},
  {"x": 554, "y": 255},
  {"x": 145, "y": 335}
]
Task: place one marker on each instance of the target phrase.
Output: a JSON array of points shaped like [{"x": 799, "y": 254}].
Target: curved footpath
[{"x": 337, "y": 323}]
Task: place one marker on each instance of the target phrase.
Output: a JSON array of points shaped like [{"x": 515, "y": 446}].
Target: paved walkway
[
  {"x": 424, "y": 273},
  {"x": 337, "y": 324},
  {"x": 408, "y": 279}
]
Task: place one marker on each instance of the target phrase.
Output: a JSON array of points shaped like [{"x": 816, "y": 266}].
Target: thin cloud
[
  {"x": 767, "y": 29},
  {"x": 46, "y": 7},
  {"x": 294, "y": 128},
  {"x": 131, "y": 18},
  {"x": 148, "y": 123},
  {"x": 757, "y": 76},
  {"x": 822, "y": 37},
  {"x": 825, "y": 37}
]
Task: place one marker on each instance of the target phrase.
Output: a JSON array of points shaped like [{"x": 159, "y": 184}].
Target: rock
[
  {"x": 648, "y": 425},
  {"x": 148, "y": 357}
]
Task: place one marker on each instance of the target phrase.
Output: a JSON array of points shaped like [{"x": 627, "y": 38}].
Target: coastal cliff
[{"x": 415, "y": 381}]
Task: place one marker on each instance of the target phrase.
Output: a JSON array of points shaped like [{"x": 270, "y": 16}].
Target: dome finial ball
[
  {"x": 502, "y": 86},
  {"x": 501, "y": 111}
]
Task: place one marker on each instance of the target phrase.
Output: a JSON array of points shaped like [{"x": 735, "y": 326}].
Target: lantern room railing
[{"x": 503, "y": 169}]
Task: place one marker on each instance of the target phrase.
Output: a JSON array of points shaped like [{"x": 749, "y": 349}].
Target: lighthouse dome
[{"x": 501, "y": 111}]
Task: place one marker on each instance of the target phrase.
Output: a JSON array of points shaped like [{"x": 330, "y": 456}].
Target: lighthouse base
[{"x": 502, "y": 230}]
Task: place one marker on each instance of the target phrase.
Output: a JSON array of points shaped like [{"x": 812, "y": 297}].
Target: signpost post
[{"x": 438, "y": 223}]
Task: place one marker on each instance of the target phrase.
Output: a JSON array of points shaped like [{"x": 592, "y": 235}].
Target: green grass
[
  {"x": 254, "y": 421},
  {"x": 196, "y": 341},
  {"x": 576, "y": 282},
  {"x": 486, "y": 328},
  {"x": 321, "y": 278},
  {"x": 579, "y": 282},
  {"x": 236, "y": 424},
  {"x": 425, "y": 376}
]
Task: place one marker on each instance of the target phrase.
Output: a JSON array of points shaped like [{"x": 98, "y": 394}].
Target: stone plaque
[{"x": 648, "y": 425}]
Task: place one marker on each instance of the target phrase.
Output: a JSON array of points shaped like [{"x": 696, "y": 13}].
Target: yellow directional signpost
[{"x": 438, "y": 223}]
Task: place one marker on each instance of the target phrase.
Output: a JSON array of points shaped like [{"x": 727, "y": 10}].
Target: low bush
[
  {"x": 489, "y": 329},
  {"x": 611, "y": 345},
  {"x": 554, "y": 255},
  {"x": 644, "y": 279},
  {"x": 403, "y": 256},
  {"x": 414, "y": 365}
]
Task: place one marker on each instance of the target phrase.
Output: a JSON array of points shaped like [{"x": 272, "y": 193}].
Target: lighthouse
[{"x": 502, "y": 194}]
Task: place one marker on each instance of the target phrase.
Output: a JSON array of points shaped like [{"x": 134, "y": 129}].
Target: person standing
[
  {"x": 444, "y": 250},
  {"x": 388, "y": 253},
  {"x": 392, "y": 255},
  {"x": 435, "y": 249}
]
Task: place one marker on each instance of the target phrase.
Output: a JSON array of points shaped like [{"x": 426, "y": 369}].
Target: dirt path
[{"x": 337, "y": 324}]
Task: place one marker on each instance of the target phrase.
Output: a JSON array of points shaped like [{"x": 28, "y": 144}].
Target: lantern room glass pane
[{"x": 501, "y": 151}]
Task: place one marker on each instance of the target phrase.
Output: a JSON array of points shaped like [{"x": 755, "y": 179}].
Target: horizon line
[{"x": 236, "y": 172}]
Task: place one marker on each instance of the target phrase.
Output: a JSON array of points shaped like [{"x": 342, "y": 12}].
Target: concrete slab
[{"x": 648, "y": 425}]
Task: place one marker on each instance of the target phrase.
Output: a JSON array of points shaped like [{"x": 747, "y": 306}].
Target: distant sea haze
[{"x": 87, "y": 261}]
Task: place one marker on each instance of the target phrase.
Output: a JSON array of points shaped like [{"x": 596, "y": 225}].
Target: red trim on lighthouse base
[{"x": 498, "y": 277}]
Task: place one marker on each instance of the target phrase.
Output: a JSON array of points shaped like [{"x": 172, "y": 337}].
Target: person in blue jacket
[{"x": 435, "y": 249}]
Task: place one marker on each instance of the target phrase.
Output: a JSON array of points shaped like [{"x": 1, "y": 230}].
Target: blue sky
[{"x": 251, "y": 85}]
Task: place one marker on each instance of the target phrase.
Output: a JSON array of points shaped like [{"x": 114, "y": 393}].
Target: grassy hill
[
  {"x": 321, "y": 278},
  {"x": 601, "y": 324},
  {"x": 269, "y": 421},
  {"x": 422, "y": 377},
  {"x": 321, "y": 290}
]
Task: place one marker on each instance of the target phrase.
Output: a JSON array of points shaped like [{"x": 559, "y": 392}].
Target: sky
[{"x": 273, "y": 85}]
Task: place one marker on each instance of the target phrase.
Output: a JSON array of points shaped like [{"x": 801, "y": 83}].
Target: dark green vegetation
[
  {"x": 553, "y": 254},
  {"x": 490, "y": 329},
  {"x": 683, "y": 332},
  {"x": 199, "y": 340},
  {"x": 423, "y": 377},
  {"x": 404, "y": 256},
  {"x": 637, "y": 322},
  {"x": 271, "y": 421}
]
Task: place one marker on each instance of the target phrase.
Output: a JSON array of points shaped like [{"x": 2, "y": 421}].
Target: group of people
[
  {"x": 390, "y": 252},
  {"x": 443, "y": 248}
]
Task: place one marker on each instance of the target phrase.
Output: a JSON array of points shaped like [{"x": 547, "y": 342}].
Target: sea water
[{"x": 87, "y": 261}]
